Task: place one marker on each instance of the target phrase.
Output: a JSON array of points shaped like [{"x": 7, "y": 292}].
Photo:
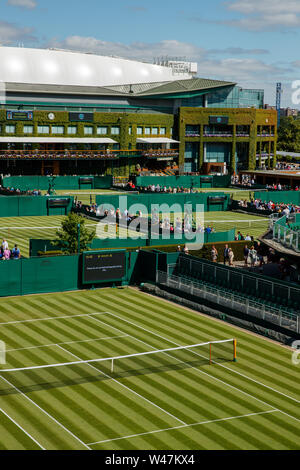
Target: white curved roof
[{"x": 52, "y": 67}]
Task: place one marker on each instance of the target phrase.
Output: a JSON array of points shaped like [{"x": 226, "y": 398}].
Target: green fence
[
  {"x": 52, "y": 274},
  {"x": 25, "y": 183},
  {"x": 186, "y": 181},
  {"x": 38, "y": 275},
  {"x": 213, "y": 201},
  {"x": 286, "y": 197},
  {"x": 20, "y": 206}
]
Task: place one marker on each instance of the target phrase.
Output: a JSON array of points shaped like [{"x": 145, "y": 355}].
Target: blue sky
[{"x": 252, "y": 42}]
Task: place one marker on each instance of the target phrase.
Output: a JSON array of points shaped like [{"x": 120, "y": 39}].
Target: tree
[
  {"x": 289, "y": 135},
  {"x": 72, "y": 227}
]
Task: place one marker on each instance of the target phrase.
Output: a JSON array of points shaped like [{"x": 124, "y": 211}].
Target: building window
[
  {"x": 58, "y": 130},
  {"x": 147, "y": 130},
  {"x": 154, "y": 130},
  {"x": 101, "y": 130},
  {"x": 88, "y": 130},
  {"x": 163, "y": 131},
  {"x": 115, "y": 130},
  {"x": 130, "y": 130},
  {"x": 28, "y": 129},
  {"x": 43, "y": 129},
  {"x": 192, "y": 130},
  {"x": 72, "y": 130},
  {"x": 139, "y": 130},
  {"x": 10, "y": 129}
]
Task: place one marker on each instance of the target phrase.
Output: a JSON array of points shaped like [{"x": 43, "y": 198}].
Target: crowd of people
[
  {"x": 152, "y": 188},
  {"x": 243, "y": 180},
  {"x": 287, "y": 166},
  {"x": 270, "y": 206},
  {"x": 17, "y": 192},
  {"x": 7, "y": 254},
  {"x": 179, "y": 225}
]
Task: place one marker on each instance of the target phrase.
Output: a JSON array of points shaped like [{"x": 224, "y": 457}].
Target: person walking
[
  {"x": 214, "y": 254},
  {"x": 246, "y": 254},
  {"x": 230, "y": 256},
  {"x": 252, "y": 254},
  {"x": 226, "y": 253}
]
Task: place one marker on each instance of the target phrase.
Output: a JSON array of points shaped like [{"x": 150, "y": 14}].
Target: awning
[
  {"x": 156, "y": 140},
  {"x": 56, "y": 140}
]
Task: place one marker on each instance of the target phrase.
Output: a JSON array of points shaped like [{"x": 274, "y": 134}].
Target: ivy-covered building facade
[{"x": 184, "y": 125}]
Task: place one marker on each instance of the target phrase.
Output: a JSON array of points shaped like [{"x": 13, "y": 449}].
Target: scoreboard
[{"x": 103, "y": 266}]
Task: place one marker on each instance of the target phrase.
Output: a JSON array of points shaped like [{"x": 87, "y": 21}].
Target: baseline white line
[
  {"x": 127, "y": 388},
  {"x": 52, "y": 318},
  {"x": 68, "y": 342},
  {"x": 22, "y": 429},
  {"x": 45, "y": 412},
  {"x": 221, "y": 365},
  {"x": 183, "y": 426}
]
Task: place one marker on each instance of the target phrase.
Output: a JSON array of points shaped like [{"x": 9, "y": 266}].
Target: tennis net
[{"x": 26, "y": 379}]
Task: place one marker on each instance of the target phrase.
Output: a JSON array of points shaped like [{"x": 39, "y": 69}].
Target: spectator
[
  {"x": 246, "y": 254},
  {"x": 231, "y": 257},
  {"x": 6, "y": 254},
  {"x": 186, "y": 250},
  {"x": 252, "y": 255},
  {"x": 4, "y": 244},
  {"x": 226, "y": 254},
  {"x": 214, "y": 254},
  {"x": 16, "y": 252}
]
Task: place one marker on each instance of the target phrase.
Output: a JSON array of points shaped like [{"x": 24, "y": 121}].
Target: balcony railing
[
  {"x": 160, "y": 153},
  {"x": 266, "y": 135},
  {"x": 67, "y": 154},
  {"x": 218, "y": 134},
  {"x": 192, "y": 134}
]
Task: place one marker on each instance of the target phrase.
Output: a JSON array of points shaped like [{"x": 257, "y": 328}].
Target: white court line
[
  {"x": 183, "y": 426},
  {"x": 45, "y": 412},
  {"x": 40, "y": 228},
  {"x": 127, "y": 388},
  {"x": 221, "y": 365},
  {"x": 22, "y": 429},
  {"x": 67, "y": 342},
  {"x": 51, "y": 318}
]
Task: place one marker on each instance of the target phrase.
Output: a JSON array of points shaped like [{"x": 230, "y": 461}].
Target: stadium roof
[
  {"x": 61, "y": 72},
  {"x": 55, "y": 67}
]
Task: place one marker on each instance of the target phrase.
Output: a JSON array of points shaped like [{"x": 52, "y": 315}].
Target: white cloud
[
  {"x": 28, "y": 4},
  {"x": 265, "y": 15},
  {"x": 10, "y": 33},
  {"x": 137, "y": 50},
  {"x": 248, "y": 72}
]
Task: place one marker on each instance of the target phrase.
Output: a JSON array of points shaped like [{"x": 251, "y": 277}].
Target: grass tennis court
[
  {"x": 249, "y": 404},
  {"x": 20, "y": 229}
]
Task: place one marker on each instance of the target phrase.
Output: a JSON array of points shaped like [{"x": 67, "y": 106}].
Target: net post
[
  {"x": 112, "y": 366},
  {"x": 234, "y": 350},
  {"x": 210, "y": 353}
]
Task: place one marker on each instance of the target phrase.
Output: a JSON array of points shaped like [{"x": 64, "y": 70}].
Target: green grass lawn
[{"x": 145, "y": 403}]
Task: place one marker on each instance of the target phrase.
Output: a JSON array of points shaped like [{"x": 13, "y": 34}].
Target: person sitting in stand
[
  {"x": 16, "y": 252},
  {"x": 6, "y": 254}
]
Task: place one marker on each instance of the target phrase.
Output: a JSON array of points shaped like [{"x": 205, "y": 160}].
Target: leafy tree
[
  {"x": 68, "y": 234},
  {"x": 289, "y": 135}
]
